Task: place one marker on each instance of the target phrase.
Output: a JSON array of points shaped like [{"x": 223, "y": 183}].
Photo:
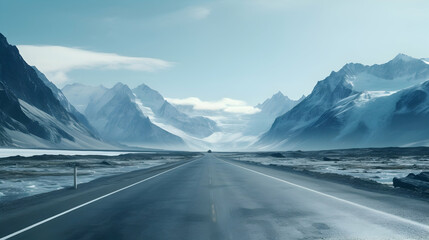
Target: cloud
[
  {"x": 56, "y": 61},
  {"x": 198, "y": 12},
  {"x": 225, "y": 104},
  {"x": 278, "y": 5}
]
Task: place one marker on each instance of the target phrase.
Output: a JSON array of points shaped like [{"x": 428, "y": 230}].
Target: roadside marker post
[{"x": 75, "y": 177}]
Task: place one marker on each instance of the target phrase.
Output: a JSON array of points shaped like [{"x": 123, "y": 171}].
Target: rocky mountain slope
[
  {"x": 30, "y": 114},
  {"x": 355, "y": 107}
]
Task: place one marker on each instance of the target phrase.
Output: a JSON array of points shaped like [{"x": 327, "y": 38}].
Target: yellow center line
[{"x": 213, "y": 213}]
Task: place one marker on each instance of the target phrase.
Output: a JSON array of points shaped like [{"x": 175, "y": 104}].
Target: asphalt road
[{"x": 213, "y": 198}]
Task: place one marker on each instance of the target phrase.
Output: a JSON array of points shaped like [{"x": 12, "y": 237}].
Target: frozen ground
[
  {"x": 26, "y": 176},
  {"x": 8, "y": 152},
  {"x": 380, "y": 165}
]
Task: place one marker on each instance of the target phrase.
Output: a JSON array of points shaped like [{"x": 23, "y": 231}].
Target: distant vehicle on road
[{"x": 209, "y": 151}]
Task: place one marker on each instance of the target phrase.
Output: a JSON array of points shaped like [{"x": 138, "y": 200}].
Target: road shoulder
[{"x": 24, "y": 212}]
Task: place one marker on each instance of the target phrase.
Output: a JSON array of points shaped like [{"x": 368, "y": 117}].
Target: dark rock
[
  {"x": 277, "y": 155},
  {"x": 419, "y": 182},
  {"x": 329, "y": 159},
  {"x": 106, "y": 163},
  {"x": 423, "y": 176}
]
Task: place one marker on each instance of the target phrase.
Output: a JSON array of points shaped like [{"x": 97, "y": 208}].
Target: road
[{"x": 214, "y": 198}]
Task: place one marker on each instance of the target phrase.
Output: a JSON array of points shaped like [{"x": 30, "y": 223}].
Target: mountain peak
[
  {"x": 3, "y": 40},
  {"x": 145, "y": 89},
  {"x": 143, "y": 86},
  {"x": 150, "y": 97},
  {"x": 279, "y": 93},
  {"x": 277, "y": 105},
  {"x": 120, "y": 86},
  {"x": 403, "y": 57}
]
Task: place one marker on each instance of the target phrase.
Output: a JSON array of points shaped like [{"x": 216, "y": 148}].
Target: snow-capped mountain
[
  {"x": 151, "y": 104},
  {"x": 151, "y": 98},
  {"x": 373, "y": 119},
  {"x": 277, "y": 105},
  {"x": 80, "y": 95},
  {"x": 239, "y": 130},
  {"x": 324, "y": 95},
  {"x": 332, "y": 116},
  {"x": 30, "y": 114},
  {"x": 166, "y": 113},
  {"x": 271, "y": 108},
  {"x": 58, "y": 94},
  {"x": 118, "y": 118}
]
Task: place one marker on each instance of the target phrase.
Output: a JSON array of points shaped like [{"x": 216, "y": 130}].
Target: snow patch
[
  {"x": 368, "y": 82},
  {"x": 10, "y": 152}
]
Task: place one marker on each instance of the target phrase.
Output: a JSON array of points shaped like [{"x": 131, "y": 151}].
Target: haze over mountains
[
  {"x": 197, "y": 131},
  {"x": 168, "y": 114},
  {"x": 117, "y": 118},
  {"x": 357, "y": 106}
]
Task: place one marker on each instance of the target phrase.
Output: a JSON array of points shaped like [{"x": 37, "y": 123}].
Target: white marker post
[{"x": 75, "y": 177}]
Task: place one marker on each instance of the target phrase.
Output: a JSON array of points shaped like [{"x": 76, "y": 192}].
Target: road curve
[{"x": 213, "y": 198}]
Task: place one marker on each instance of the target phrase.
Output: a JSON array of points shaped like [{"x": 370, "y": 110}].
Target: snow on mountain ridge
[
  {"x": 34, "y": 112},
  {"x": 373, "y": 117},
  {"x": 403, "y": 57},
  {"x": 353, "y": 86},
  {"x": 271, "y": 108},
  {"x": 166, "y": 113},
  {"x": 119, "y": 118},
  {"x": 66, "y": 104}
]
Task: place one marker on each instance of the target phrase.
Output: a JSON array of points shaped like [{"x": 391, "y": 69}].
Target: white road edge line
[
  {"x": 84, "y": 204},
  {"x": 398, "y": 218}
]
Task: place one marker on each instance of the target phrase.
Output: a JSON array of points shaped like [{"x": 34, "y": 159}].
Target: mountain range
[
  {"x": 380, "y": 105},
  {"x": 117, "y": 118},
  {"x": 358, "y": 106},
  {"x": 166, "y": 113},
  {"x": 138, "y": 117}
]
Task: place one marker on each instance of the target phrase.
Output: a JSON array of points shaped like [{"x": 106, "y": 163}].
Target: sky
[{"x": 212, "y": 50}]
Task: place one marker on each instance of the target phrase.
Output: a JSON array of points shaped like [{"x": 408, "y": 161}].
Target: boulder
[
  {"x": 419, "y": 182},
  {"x": 277, "y": 155}
]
